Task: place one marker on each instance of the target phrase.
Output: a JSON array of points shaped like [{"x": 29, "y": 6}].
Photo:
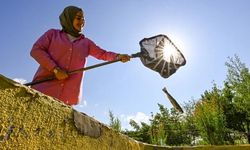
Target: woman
[{"x": 60, "y": 51}]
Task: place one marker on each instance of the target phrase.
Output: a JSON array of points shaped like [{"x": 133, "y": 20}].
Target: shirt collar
[{"x": 82, "y": 36}]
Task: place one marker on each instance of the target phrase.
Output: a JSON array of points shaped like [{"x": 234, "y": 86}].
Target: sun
[{"x": 169, "y": 51}]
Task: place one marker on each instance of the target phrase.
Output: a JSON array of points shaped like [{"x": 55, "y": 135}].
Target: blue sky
[{"x": 206, "y": 31}]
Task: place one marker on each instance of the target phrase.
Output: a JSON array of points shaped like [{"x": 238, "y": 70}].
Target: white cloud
[
  {"x": 20, "y": 80},
  {"x": 84, "y": 103},
  {"x": 79, "y": 106},
  {"x": 138, "y": 118}
]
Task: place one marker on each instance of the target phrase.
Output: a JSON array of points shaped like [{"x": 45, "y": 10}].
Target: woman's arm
[{"x": 40, "y": 53}]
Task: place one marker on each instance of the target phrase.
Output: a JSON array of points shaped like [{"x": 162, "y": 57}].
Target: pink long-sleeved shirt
[{"x": 54, "y": 49}]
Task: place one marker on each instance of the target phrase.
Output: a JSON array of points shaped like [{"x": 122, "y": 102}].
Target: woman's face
[{"x": 79, "y": 21}]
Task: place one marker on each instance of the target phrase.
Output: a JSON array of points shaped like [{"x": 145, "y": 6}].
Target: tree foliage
[
  {"x": 115, "y": 123},
  {"x": 220, "y": 116},
  {"x": 238, "y": 82},
  {"x": 209, "y": 117}
]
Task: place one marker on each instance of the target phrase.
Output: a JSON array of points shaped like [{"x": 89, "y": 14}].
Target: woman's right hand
[
  {"x": 123, "y": 57},
  {"x": 60, "y": 74}
]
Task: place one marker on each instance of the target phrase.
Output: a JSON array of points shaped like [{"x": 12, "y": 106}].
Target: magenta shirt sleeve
[
  {"x": 40, "y": 53},
  {"x": 100, "y": 53}
]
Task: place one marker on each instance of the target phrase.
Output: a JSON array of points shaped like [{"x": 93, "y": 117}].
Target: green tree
[
  {"x": 192, "y": 133},
  {"x": 230, "y": 112},
  {"x": 210, "y": 118},
  {"x": 140, "y": 133},
  {"x": 219, "y": 117},
  {"x": 159, "y": 126},
  {"x": 165, "y": 128},
  {"x": 168, "y": 128},
  {"x": 238, "y": 79},
  {"x": 115, "y": 123}
]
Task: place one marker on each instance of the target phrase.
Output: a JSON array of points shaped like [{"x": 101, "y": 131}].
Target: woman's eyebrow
[{"x": 79, "y": 16}]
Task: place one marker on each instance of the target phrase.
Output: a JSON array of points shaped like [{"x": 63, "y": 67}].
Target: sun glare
[{"x": 169, "y": 51}]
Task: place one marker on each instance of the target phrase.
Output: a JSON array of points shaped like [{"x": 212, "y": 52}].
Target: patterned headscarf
[{"x": 66, "y": 20}]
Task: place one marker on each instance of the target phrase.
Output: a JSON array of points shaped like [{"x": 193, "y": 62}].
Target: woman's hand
[
  {"x": 60, "y": 74},
  {"x": 123, "y": 57}
]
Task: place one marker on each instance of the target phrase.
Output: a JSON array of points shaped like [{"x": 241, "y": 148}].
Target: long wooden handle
[
  {"x": 71, "y": 72},
  {"x": 80, "y": 70}
]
